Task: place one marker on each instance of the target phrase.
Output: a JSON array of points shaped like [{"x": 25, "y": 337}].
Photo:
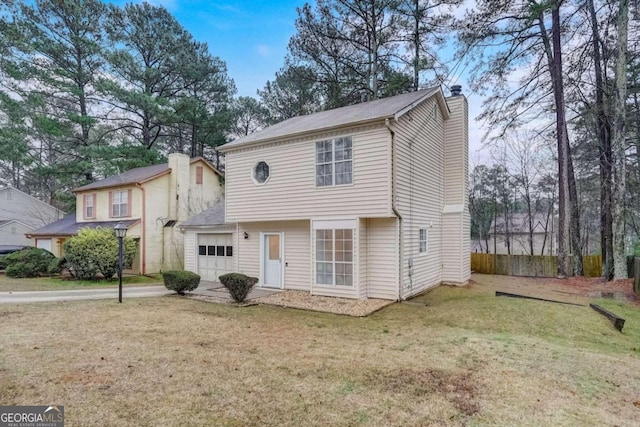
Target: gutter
[
  {"x": 143, "y": 231},
  {"x": 393, "y": 205}
]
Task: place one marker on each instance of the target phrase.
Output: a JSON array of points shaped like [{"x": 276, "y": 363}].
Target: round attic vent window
[{"x": 261, "y": 172}]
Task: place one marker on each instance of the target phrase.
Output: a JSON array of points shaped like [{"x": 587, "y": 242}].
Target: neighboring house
[
  {"x": 364, "y": 201},
  {"x": 21, "y": 213},
  {"x": 514, "y": 239},
  {"x": 152, "y": 201}
]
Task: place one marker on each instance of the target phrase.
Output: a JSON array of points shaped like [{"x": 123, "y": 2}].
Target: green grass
[
  {"x": 8, "y": 284},
  {"x": 466, "y": 358}
]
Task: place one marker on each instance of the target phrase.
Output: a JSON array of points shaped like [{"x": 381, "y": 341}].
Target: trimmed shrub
[
  {"x": 57, "y": 265},
  {"x": 238, "y": 285},
  {"x": 95, "y": 251},
  {"x": 3, "y": 262},
  {"x": 180, "y": 281},
  {"x": 31, "y": 262}
]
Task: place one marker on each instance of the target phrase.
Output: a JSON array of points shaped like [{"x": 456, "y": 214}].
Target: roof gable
[{"x": 387, "y": 108}]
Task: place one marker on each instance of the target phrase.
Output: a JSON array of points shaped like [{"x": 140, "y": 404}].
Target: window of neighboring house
[
  {"x": 334, "y": 257},
  {"x": 89, "y": 206},
  {"x": 14, "y": 230},
  {"x": 198, "y": 174},
  {"x": 261, "y": 172},
  {"x": 334, "y": 162},
  {"x": 9, "y": 195},
  {"x": 423, "y": 241},
  {"x": 120, "y": 203}
]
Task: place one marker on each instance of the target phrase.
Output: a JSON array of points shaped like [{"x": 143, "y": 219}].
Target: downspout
[
  {"x": 394, "y": 207},
  {"x": 143, "y": 224}
]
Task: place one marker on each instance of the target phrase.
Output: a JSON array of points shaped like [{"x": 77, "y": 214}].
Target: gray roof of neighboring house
[
  {"x": 68, "y": 226},
  {"x": 131, "y": 176},
  {"x": 212, "y": 216},
  {"x": 353, "y": 114}
]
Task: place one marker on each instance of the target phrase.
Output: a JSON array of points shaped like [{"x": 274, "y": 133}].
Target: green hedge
[
  {"x": 31, "y": 262},
  {"x": 238, "y": 285},
  {"x": 180, "y": 281}
]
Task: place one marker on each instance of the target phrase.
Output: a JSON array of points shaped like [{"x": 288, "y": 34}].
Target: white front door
[{"x": 272, "y": 260}]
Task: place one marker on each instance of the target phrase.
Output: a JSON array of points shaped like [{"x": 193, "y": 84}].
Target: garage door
[
  {"x": 44, "y": 244},
  {"x": 215, "y": 255}
]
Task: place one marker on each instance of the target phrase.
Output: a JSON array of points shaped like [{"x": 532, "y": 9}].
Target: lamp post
[{"x": 121, "y": 231}]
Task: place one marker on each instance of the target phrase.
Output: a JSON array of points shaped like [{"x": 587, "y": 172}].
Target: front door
[{"x": 272, "y": 260}]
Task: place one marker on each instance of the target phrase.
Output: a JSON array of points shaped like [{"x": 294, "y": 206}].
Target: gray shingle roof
[
  {"x": 68, "y": 226},
  {"x": 131, "y": 176},
  {"x": 352, "y": 114},
  {"x": 212, "y": 216}
]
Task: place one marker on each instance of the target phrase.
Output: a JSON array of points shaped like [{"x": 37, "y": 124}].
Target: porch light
[{"x": 246, "y": 235}]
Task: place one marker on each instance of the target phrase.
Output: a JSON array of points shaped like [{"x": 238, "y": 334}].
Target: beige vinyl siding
[
  {"x": 382, "y": 258},
  {"x": 190, "y": 251},
  {"x": 456, "y": 155},
  {"x": 419, "y": 151},
  {"x": 363, "y": 250},
  {"x": 456, "y": 238},
  {"x": 297, "y": 274},
  {"x": 452, "y": 248},
  {"x": 291, "y": 192}
]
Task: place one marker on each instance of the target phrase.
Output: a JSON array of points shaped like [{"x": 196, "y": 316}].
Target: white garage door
[
  {"x": 215, "y": 255},
  {"x": 44, "y": 244}
]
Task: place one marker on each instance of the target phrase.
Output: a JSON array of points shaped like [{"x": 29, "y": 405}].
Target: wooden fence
[{"x": 532, "y": 266}]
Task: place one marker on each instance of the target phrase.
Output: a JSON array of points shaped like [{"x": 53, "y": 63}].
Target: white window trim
[
  {"x": 332, "y": 163},
  {"x": 253, "y": 173},
  {"x": 113, "y": 204},
  {"x": 426, "y": 241},
  {"x": 333, "y": 261}
]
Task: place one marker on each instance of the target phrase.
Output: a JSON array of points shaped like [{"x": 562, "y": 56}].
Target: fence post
[{"x": 636, "y": 277}]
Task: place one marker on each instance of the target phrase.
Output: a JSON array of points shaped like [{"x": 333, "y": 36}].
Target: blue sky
[{"x": 250, "y": 36}]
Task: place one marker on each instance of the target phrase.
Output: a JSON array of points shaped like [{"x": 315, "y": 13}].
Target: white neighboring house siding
[
  {"x": 15, "y": 204},
  {"x": 291, "y": 192},
  {"x": 419, "y": 150},
  {"x": 13, "y": 233}
]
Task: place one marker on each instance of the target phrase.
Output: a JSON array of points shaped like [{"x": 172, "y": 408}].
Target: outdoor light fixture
[
  {"x": 121, "y": 231},
  {"x": 246, "y": 235}
]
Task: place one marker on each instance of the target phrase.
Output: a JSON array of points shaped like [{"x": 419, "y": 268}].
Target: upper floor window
[
  {"x": 120, "y": 203},
  {"x": 334, "y": 162},
  {"x": 261, "y": 172},
  {"x": 89, "y": 206},
  {"x": 198, "y": 174}
]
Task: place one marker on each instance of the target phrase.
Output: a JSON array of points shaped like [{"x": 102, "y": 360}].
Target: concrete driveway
[{"x": 81, "y": 294}]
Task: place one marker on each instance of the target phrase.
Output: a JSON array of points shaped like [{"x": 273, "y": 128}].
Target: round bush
[
  {"x": 238, "y": 285},
  {"x": 180, "y": 281}
]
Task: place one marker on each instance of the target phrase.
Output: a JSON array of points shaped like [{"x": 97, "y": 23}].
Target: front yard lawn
[
  {"x": 466, "y": 358},
  {"x": 8, "y": 284}
]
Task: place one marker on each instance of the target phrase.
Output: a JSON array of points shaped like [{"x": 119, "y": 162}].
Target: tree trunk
[
  {"x": 618, "y": 144},
  {"x": 604, "y": 145},
  {"x": 564, "y": 205}
]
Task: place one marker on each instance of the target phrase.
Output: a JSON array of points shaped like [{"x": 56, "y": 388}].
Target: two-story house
[
  {"x": 152, "y": 201},
  {"x": 20, "y": 214},
  {"x": 364, "y": 201}
]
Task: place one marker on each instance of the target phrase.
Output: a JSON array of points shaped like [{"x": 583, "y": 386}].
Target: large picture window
[
  {"x": 120, "y": 203},
  {"x": 334, "y": 257},
  {"x": 334, "y": 162}
]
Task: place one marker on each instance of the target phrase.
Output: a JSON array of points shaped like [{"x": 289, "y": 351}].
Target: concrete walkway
[
  {"x": 81, "y": 294},
  {"x": 218, "y": 292},
  {"x": 207, "y": 289}
]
